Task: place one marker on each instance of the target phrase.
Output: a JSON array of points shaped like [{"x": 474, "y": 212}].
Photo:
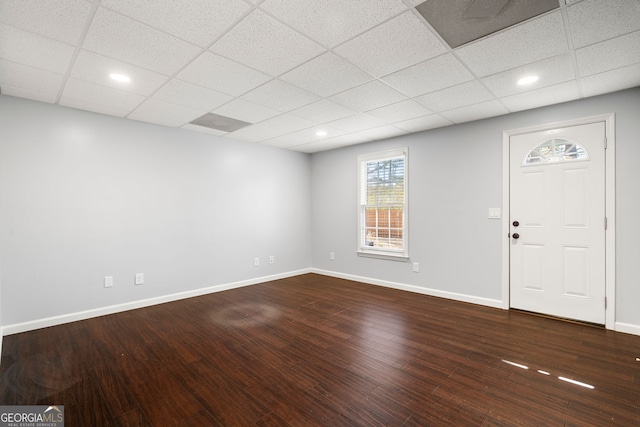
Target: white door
[{"x": 557, "y": 222}]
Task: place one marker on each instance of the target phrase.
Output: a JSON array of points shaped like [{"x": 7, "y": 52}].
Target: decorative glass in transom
[{"x": 556, "y": 151}]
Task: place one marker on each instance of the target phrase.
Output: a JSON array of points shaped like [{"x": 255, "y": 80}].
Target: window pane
[
  {"x": 383, "y": 227},
  {"x": 385, "y": 181},
  {"x": 556, "y": 150},
  {"x": 371, "y": 217},
  {"x": 396, "y": 218}
]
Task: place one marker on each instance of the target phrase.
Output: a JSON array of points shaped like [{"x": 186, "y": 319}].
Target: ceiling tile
[
  {"x": 26, "y": 48},
  {"x": 381, "y": 132},
  {"x": 434, "y": 74},
  {"x": 96, "y": 94},
  {"x": 394, "y": 45},
  {"x": 303, "y": 136},
  {"x": 423, "y": 123},
  {"x": 19, "y": 92},
  {"x": 538, "y": 98},
  {"x": 265, "y": 44},
  {"x": 197, "y": 21},
  {"x": 203, "y": 129},
  {"x": 218, "y": 73},
  {"x": 331, "y": 22},
  {"x": 323, "y": 111},
  {"x": 357, "y": 123},
  {"x": 532, "y": 41},
  {"x": 62, "y": 20},
  {"x": 96, "y": 68},
  {"x": 368, "y": 96},
  {"x": 192, "y": 96},
  {"x": 475, "y": 112},
  {"x": 314, "y": 147},
  {"x": 608, "y": 55},
  {"x": 331, "y": 143},
  {"x": 347, "y": 139},
  {"x": 550, "y": 71},
  {"x": 611, "y": 81},
  {"x": 165, "y": 113},
  {"x": 326, "y": 75},
  {"x": 593, "y": 21},
  {"x": 96, "y": 108},
  {"x": 112, "y": 35},
  {"x": 413, "y": 3},
  {"x": 455, "y": 97},
  {"x": 22, "y": 76},
  {"x": 280, "y": 95},
  {"x": 246, "y": 111},
  {"x": 400, "y": 111},
  {"x": 271, "y": 128}
]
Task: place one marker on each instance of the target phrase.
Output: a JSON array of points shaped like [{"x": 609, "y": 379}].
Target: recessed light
[
  {"x": 528, "y": 80},
  {"x": 120, "y": 78},
  {"x": 321, "y": 133}
]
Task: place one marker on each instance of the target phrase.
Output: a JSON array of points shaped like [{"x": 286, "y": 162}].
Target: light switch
[{"x": 494, "y": 213}]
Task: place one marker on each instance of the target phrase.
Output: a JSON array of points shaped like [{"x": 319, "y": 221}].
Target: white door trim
[{"x": 610, "y": 206}]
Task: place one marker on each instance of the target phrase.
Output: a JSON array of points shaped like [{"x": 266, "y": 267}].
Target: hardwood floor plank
[
  {"x": 134, "y": 418},
  {"x": 315, "y": 350}
]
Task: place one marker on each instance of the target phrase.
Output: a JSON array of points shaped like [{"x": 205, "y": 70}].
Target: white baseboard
[
  {"x": 417, "y": 289},
  {"x": 627, "y": 328},
  {"x": 102, "y": 311}
]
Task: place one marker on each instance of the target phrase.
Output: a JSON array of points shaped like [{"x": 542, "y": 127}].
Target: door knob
[
  {"x": 516, "y": 236},
  {"x": 516, "y": 223}
]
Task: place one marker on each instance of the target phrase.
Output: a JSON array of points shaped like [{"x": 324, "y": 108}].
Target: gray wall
[
  {"x": 83, "y": 196},
  {"x": 455, "y": 176}
]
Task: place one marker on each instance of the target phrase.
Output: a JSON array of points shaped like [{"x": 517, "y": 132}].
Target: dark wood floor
[{"x": 314, "y": 350}]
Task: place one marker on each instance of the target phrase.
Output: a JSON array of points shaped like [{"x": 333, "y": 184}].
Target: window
[
  {"x": 383, "y": 204},
  {"x": 554, "y": 151}
]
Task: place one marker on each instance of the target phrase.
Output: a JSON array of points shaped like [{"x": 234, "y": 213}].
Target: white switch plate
[
  {"x": 108, "y": 281},
  {"x": 272, "y": 259},
  {"x": 256, "y": 262},
  {"x": 416, "y": 267},
  {"x": 494, "y": 213},
  {"x": 139, "y": 279},
  {"x": 332, "y": 256}
]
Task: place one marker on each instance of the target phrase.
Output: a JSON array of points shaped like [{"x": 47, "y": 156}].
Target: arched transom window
[{"x": 556, "y": 151}]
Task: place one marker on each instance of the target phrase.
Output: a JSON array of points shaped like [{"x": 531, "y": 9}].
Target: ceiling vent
[
  {"x": 218, "y": 122},
  {"x": 461, "y": 21}
]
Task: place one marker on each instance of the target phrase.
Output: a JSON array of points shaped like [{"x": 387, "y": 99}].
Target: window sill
[{"x": 387, "y": 256}]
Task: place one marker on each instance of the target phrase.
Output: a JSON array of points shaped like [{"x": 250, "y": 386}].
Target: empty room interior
[{"x": 332, "y": 213}]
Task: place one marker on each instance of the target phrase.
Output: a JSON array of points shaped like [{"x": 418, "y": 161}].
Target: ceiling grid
[{"x": 313, "y": 76}]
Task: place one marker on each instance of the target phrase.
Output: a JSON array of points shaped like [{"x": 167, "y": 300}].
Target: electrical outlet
[
  {"x": 108, "y": 281},
  {"x": 272, "y": 259},
  {"x": 139, "y": 279},
  {"x": 416, "y": 267},
  {"x": 332, "y": 256},
  {"x": 256, "y": 262}
]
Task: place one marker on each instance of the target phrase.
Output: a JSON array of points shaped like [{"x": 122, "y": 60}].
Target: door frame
[{"x": 610, "y": 206}]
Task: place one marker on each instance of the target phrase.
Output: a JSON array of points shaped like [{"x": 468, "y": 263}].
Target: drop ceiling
[{"x": 314, "y": 75}]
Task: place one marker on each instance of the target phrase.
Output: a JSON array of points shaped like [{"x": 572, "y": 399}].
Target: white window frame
[{"x": 363, "y": 248}]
